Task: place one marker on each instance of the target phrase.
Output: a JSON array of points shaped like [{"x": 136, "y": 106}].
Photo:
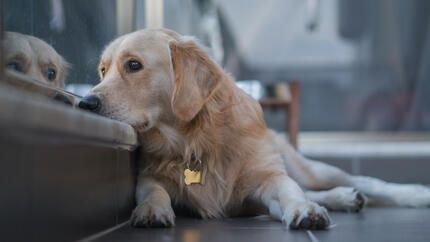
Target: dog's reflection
[{"x": 35, "y": 58}]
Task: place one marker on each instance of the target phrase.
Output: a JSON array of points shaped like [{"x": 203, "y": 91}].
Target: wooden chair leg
[{"x": 293, "y": 111}]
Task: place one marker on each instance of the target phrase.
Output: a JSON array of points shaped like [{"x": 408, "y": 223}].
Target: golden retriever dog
[
  {"x": 34, "y": 57},
  {"x": 205, "y": 144}
]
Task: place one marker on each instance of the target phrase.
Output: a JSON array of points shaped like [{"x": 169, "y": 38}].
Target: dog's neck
[{"x": 203, "y": 136}]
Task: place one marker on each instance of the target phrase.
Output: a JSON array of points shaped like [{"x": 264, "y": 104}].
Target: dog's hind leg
[
  {"x": 311, "y": 175},
  {"x": 320, "y": 176},
  {"x": 408, "y": 195},
  {"x": 315, "y": 175},
  {"x": 346, "y": 199}
]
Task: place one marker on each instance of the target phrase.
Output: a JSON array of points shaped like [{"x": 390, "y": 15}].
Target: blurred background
[
  {"x": 363, "y": 69},
  {"x": 362, "y": 65}
]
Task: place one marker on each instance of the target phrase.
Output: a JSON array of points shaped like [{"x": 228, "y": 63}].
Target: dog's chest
[
  {"x": 207, "y": 199},
  {"x": 199, "y": 188},
  {"x": 202, "y": 192}
]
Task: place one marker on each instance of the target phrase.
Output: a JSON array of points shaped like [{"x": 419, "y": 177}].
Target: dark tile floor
[{"x": 372, "y": 224}]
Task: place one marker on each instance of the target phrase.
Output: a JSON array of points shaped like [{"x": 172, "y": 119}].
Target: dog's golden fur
[
  {"x": 185, "y": 108},
  {"x": 34, "y": 56}
]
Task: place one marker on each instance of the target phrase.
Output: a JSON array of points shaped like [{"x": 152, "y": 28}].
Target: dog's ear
[{"x": 196, "y": 77}]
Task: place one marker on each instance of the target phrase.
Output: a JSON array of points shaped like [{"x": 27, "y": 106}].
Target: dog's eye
[
  {"x": 51, "y": 74},
  {"x": 16, "y": 66},
  {"x": 103, "y": 71},
  {"x": 134, "y": 66}
]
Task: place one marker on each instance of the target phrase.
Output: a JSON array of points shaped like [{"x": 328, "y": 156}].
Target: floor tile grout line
[
  {"x": 103, "y": 233},
  {"x": 312, "y": 236}
]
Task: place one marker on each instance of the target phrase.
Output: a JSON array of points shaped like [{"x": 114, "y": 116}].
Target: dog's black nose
[{"x": 92, "y": 103}]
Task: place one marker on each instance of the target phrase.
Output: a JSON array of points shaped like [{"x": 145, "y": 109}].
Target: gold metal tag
[{"x": 192, "y": 177}]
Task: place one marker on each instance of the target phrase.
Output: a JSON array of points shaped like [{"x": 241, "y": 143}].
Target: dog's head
[
  {"x": 151, "y": 76},
  {"x": 35, "y": 58}
]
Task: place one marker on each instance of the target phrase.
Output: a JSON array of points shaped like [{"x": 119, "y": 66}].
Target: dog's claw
[
  {"x": 321, "y": 223},
  {"x": 152, "y": 215},
  {"x": 306, "y": 223}
]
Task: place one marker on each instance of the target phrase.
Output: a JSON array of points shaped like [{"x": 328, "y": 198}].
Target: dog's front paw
[
  {"x": 153, "y": 214},
  {"x": 305, "y": 215}
]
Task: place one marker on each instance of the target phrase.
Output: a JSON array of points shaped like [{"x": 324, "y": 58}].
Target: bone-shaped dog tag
[{"x": 192, "y": 177}]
